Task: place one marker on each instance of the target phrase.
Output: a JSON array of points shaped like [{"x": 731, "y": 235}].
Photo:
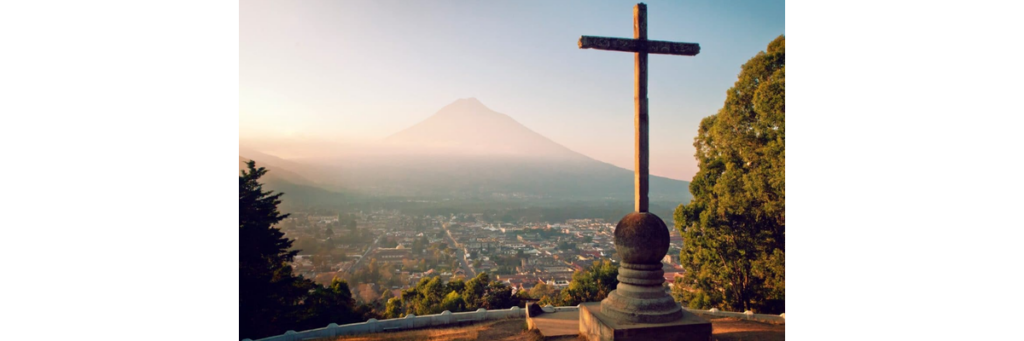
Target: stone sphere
[{"x": 641, "y": 238}]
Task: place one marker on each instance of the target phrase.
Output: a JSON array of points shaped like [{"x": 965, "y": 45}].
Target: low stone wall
[
  {"x": 551, "y": 309},
  {"x": 747, "y": 315},
  {"x": 410, "y": 321},
  {"x": 530, "y": 324}
]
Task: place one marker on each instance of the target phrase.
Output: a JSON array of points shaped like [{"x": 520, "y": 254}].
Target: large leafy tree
[
  {"x": 543, "y": 289},
  {"x": 394, "y": 308},
  {"x": 734, "y": 227},
  {"x": 324, "y": 305},
  {"x": 475, "y": 290},
  {"x": 432, "y": 296},
  {"x": 592, "y": 284},
  {"x": 499, "y": 296},
  {"x": 453, "y": 302}
]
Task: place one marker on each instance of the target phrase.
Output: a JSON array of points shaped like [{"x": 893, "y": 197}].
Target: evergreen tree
[
  {"x": 271, "y": 299},
  {"x": 734, "y": 227},
  {"x": 333, "y": 304},
  {"x": 267, "y": 289}
]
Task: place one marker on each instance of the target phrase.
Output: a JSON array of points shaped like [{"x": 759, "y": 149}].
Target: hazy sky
[{"x": 362, "y": 70}]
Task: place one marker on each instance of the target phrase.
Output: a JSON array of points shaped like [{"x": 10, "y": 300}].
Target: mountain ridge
[
  {"x": 468, "y": 127},
  {"x": 468, "y": 150}
]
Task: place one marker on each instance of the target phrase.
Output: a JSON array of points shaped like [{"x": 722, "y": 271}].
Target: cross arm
[{"x": 635, "y": 45}]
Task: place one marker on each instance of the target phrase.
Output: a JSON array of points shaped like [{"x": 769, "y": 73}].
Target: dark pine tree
[{"x": 268, "y": 292}]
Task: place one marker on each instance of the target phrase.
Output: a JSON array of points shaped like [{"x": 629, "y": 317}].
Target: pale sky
[{"x": 363, "y": 70}]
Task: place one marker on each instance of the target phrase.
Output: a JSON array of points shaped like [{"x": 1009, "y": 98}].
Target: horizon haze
[
  {"x": 347, "y": 75},
  {"x": 464, "y": 151}
]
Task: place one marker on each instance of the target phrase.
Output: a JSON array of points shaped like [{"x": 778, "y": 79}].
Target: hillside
[{"x": 298, "y": 190}]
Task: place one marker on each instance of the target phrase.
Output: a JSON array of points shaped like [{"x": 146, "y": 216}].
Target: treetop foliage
[{"x": 734, "y": 227}]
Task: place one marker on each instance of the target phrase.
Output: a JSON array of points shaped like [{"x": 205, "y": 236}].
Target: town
[{"x": 383, "y": 252}]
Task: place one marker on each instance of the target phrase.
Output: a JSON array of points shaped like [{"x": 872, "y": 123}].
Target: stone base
[
  {"x": 597, "y": 326},
  {"x": 551, "y": 325},
  {"x": 639, "y": 297}
]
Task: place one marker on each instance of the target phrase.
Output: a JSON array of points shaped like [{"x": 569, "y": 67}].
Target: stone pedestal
[
  {"x": 639, "y": 308},
  {"x": 639, "y": 297},
  {"x": 597, "y": 326}
]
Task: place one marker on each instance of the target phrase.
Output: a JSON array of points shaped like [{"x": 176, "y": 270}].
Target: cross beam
[
  {"x": 640, "y": 46},
  {"x": 644, "y": 46}
]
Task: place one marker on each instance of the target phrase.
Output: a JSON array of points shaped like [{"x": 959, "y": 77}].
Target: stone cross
[
  {"x": 639, "y": 308},
  {"x": 640, "y": 47}
]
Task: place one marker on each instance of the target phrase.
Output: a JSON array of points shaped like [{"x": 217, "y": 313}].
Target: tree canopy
[
  {"x": 591, "y": 285},
  {"x": 432, "y": 296},
  {"x": 734, "y": 227}
]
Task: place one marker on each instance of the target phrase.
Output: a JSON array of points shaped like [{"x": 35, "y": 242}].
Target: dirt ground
[
  {"x": 732, "y": 329},
  {"x": 501, "y": 330}
]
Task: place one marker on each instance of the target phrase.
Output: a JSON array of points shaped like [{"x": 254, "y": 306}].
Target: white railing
[
  {"x": 747, "y": 315},
  {"x": 410, "y": 321}
]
